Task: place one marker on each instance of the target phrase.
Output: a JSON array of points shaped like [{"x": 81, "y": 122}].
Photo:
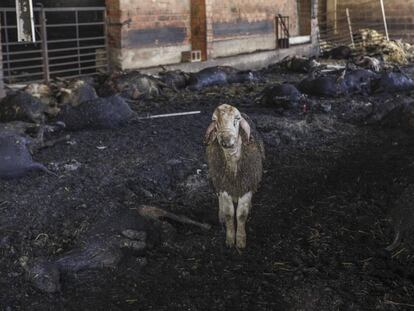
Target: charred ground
[{"x": 316, "y": 236}]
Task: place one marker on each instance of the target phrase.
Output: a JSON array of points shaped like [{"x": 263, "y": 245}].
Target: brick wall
[
  {"x": 244, "y": 26},
  {"x": 157, "y": 34},
  {"x": 399, "y": 13},
  {"x": 160, "y": 30}
]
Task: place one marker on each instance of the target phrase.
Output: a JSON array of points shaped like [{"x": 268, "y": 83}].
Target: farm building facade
[
  {"x": 143, "y": 34},
  {"x": 148, "y": 33}
]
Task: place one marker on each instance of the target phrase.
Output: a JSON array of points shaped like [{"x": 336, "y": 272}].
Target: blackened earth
[{"x": 317, "y": 229}]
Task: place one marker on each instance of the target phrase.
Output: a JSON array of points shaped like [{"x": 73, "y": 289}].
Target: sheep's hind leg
[
  {"x": 243, "y": 209},
  {"x": 226, "y": 210}
]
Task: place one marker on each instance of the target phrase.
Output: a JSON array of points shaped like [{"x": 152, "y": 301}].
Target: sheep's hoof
[
  {"x": 229, "y": 242},
  {"x": 241, "y": 242}
]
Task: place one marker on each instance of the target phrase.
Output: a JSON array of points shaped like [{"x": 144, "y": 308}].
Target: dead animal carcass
[
  {"x": 323, "y": 85},
  {"x": 22, "y": 106},
  {"x": 132, "y": 85},
  {"x": 220, "y": 75},
  {"x": 100, "y": 113},
  {"x": 15, "y": 157},
  {"x": 339, "y": 52},
  {"x": 18, "y": 141},
  {"x": 392, "y": 82},
  {"x": 76, "y": 92},
  {"x": 368, "y": 62},
  {"x": 175, "y": 79},
  {"x": 359, "y": 81},
  {"x": 298, "y": 64},
  {"x": 281, "y": 96},
  {"x": 103, "y": 247}
]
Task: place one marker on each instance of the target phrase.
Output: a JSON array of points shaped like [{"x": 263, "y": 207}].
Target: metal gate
[{"x": 70, "y": 42}]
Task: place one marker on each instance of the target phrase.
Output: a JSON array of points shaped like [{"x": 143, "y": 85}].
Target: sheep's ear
[
  {"x": 246, "y": 128},
  {"x": 210, "y": 133}
]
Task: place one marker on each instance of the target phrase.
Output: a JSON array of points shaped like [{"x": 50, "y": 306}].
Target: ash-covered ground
[{"x": 316, "y": 234}]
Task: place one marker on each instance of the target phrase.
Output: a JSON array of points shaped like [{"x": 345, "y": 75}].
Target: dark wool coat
[{"x": 249, "y": 170}]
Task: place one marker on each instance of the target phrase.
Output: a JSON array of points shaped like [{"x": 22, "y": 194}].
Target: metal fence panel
[{"x": 70, "y": 42}]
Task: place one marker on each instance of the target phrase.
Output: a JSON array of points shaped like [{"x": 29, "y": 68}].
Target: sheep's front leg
[
  {"x": 226, "y": 213},
  {"x": 243, "y": 209}
]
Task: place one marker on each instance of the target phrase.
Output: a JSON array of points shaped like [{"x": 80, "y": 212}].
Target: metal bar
[
  {"x": 25, "y": 21},
  {"x": 44, "y": 46},
  {"x": 77, "y": 39},
  {"x": 21, "y": 43},
  {"x": 285, "y": 28},
  {"x": 80, "y": 24},
  {"x": 7, "y": 40},
  {"x": 98, "y": 8},
  {"x": 72, "y": 56},
  {"x": 32, "y": 81},
  {"x": 74, "y": 49},
  {"x": 385, "y": 20},
  {"x": 27, "y": 67},
  {"x": 75, "y": 63},
  {"x": 74, "y": 39},
  {"x": 75, "y": 69},
  {"x": 24, "y": 52},
  {"x": 106, "y": 39},
  {"x": 26, "y": 75},
  {"x": 14, "y": 27},
  {"x": 350, "y": 27},
  {"x": 58, "y": 25},
  {"x": 20, "y": 60},
  {"x": 82, "y": 75}
]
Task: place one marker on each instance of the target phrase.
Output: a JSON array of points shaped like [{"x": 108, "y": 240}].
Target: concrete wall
[{"x": 159, "y": 31}]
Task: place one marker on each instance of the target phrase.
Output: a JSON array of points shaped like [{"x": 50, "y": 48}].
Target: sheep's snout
[{"x": 227, "y": 139}]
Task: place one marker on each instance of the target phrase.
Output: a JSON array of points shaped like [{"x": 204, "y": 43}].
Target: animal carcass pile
[
  {"x": 31, "y": 118},
  {"x": 371, "y": 42}
]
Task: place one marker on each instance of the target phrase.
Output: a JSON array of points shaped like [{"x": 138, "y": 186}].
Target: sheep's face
[
  {"x": 225, "y": 126},
  {"x": 227, "y": 120}
]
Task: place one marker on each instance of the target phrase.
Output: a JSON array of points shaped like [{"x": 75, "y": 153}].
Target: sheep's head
[{"x": 225, "y": 126}]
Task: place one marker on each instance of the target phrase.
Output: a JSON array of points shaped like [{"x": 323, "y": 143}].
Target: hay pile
[{"x": 371, "y": 42}]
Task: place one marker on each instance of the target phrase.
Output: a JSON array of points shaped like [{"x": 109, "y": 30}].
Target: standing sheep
[{"x": 235, "y": 164}]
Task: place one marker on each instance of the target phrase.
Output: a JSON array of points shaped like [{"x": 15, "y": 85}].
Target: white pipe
[
  {"x": 385, "y": 20},
  {"x": 348, "y": 17}
]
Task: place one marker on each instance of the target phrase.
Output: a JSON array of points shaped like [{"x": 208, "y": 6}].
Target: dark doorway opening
[{"x": 199, "y": 27}]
